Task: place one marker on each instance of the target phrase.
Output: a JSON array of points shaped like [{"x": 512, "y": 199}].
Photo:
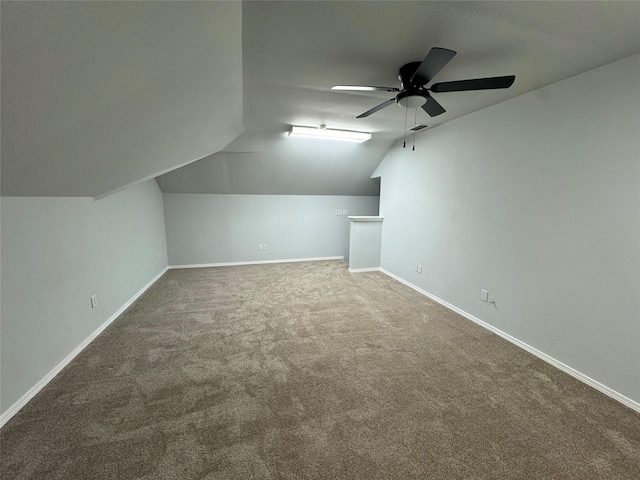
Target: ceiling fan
[{"x": 415, "y": 76}]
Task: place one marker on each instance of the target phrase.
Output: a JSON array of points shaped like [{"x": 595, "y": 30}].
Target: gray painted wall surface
[
  {"x": 536, "y": 200},
  {"x": 228, "y": 228},
  {"x": 56, "y": 253}
]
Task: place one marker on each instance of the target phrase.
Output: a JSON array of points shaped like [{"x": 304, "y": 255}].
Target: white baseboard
[
  {"x": 541, "y": 355},
  {"x": 255, "y": 262},
  {"x": 33, "y": 391},
  {"x": 368, "y": 269}
]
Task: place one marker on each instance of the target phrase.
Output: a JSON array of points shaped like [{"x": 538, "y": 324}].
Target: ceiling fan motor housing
[
  {"x": 412, "y": 94},
  {"x": 405, "y": 74}
]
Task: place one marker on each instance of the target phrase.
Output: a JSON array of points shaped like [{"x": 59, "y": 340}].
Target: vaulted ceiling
[{"x": 100, "y": 95}]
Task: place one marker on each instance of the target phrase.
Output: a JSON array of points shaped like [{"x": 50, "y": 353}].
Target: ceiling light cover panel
[{"x": 329, "y": 134}]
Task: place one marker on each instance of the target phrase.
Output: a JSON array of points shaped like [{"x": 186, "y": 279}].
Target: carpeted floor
[{"x": 303, "y": 370}]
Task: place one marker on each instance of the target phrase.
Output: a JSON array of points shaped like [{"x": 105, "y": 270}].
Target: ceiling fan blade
[
  {"x": 375, "y": 109},
  {"x": 490, "y": 83},
  {"x": 362, "y": 88},
  {"x": 432, "y": 64},
  {"x": 432, "y": 107}
]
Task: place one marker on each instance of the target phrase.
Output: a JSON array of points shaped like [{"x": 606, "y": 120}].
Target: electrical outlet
[
  {"x": 484, "y": 295},
  {"x": 345, "y": 212},
  {"x": 338, "y": 212},
  {"x": 415, "y": 267},
  {"x": 419, "y": 268},
  {"x": 264, "y": 246},
  {"x": 260, "y": 246},
  {"x": 94, "y": 301},
  {"x": 146, "y": 264}
]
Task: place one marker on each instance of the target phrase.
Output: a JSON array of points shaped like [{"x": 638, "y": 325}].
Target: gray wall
[
  {"x": 56, "y": 253},
  {"x": 536, "y": 200},
  {"x": 205, "y": 228}
]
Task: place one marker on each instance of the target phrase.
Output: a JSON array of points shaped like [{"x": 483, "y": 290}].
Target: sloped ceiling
[
  {"x": 99, "y": 95},
  {"x": 109, "y": 93},
  {"x": 283, "y": 166}
]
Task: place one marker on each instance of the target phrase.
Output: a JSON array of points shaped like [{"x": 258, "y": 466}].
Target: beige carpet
[{"x": 303, "y": 370}]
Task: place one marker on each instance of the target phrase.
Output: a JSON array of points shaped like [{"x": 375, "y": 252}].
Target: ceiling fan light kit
[
  {"x": 410, "y": 100},
  {"x": 324, "y": 133}
]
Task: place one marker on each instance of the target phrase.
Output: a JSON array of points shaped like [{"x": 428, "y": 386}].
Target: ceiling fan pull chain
[
  {"x": 415, "y": 122},
  {"x": 404, "y": 140}
]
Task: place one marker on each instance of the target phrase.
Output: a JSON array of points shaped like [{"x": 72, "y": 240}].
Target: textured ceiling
[{"x": 98, "y": 95}]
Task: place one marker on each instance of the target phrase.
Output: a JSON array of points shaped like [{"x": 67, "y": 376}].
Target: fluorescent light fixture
[{"x": 329, "y": 134}]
